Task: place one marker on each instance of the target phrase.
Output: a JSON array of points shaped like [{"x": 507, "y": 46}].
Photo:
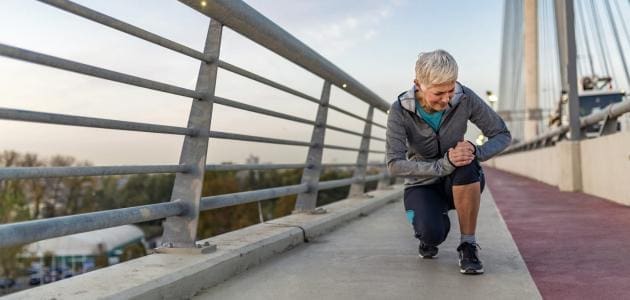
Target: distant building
[{"x": 81, "y": 251}]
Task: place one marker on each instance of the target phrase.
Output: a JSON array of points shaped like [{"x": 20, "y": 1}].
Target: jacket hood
[{"x": 408, "y": 99}]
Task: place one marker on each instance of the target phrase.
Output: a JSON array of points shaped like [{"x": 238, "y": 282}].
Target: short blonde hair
[{"x": 436, "y": 67}]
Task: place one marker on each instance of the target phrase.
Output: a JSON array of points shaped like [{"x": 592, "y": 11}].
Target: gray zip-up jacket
[{"x": 415, "y": 151}]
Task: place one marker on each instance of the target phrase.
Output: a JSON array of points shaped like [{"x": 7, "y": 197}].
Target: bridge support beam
[
  {"x": 570, "y": 166},
  {"x": 357, "y": 189},
  {"x": 181, "y": 231},
  {"x": 306, "y": 202},
  {"x": 565, "y": 26},
  {"x": 532, "y": 110}
]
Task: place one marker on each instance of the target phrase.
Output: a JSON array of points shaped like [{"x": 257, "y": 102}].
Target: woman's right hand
[{"x": 461, "y": 155}]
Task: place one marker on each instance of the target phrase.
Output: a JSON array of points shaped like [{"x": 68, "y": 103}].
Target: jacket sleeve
[
  {"x": 396, "y": 152},
  {"x": 491, "y": 125}
]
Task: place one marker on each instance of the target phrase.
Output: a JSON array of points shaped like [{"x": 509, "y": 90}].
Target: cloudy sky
[{"x": 376, "y": 42}]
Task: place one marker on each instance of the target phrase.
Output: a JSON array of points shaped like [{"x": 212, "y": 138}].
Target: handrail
[
  {"x": 252, "y": 25},
  {"x": 30, "y": 231},
  {"x": 69, "y": 65},
  {"x": 119, "y": 25},
  {"x": 243, "y": 19},
  {"x": 60, "y": 119},
  {"x": 51, "y": 172},
  {"x": 612, "y": 111}
]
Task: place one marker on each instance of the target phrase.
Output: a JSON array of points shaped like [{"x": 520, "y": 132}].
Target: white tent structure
[{"x": 87, "y": 243}]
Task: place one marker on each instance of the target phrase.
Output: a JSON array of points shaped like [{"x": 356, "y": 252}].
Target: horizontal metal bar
[
  {"x": 45, "y": 172},
  {"x": 331, "y": 184},
  {"x": 253, "y": 167},
  {"x": 219, "y": 201},
  {"x": 343, "y": 111},
  {"x": 613, "y": 110},
  {"x": 251, "y": 138},
  {"x": 353, "y": 165},
  {"x": 340, "y": 147},
  {"x": 108, "y": 21},
  {"x": 379, "y": 125},
  {"x": 376, "y": 151},
  {"x": 250, "y": 23},
  {"x": 59, "y": 119},
  {"x": 250, "y": 75},
  {"x": 235, "y": 104},
  {"x": 377, "y": 138},
  {"x": 344, "y": 130},
  {"x": 68, "y": 65},
  {"x": 30, "y": 231}
]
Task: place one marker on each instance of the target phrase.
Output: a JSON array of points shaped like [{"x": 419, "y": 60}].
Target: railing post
[
  {"x": 306, "y": 202},
  {"x": 357, "y": 189},
  {"x": 385, "y": 182},
  {"x": 181, "y": 231}
]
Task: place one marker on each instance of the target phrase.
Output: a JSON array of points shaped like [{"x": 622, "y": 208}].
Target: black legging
[{"x": 427, "y": 205}]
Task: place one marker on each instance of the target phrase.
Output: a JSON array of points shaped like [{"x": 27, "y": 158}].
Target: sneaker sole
[
  {"x": 471, "y": 272},
  {"x": 428, "y": 256}
]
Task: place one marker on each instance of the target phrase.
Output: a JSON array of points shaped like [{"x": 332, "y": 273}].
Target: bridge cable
[
  {"x": 618, "y": 42},
  {"x": 601, "y": 38},
  {"x": 582, "y": 20}
]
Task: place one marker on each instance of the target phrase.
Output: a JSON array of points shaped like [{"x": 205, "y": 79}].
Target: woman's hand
[{"x": 462, "y": 154}]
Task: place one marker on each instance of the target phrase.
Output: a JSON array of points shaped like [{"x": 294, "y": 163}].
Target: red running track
[{"x": 576, "y": 246}]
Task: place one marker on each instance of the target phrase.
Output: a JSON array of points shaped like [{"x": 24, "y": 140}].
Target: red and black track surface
[{"x": 576, "y": 246}]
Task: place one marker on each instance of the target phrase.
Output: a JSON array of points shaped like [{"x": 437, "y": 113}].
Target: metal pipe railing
[
  {"x": 119, "y": 25},
  {"x": 219, "y": 201},
  {"x": 30, "y": 231},
  {"x": 183, "y": 210},
  {"x": 50, "y": 172},
  {"x": 72, "y": 66},
  {"x": 243, "y": 19},
  {"x": 247, "y": 107},
  {"x": 612, "y": 111},
  {"x": 234, "y": 69},
  {"x": 245, "y": 167},
  {"x": 251, "y": 138},
  {"x": 214, "y": 202},
  {"x": 59, "y": 119},
  {"x": 331, "y": 184}
]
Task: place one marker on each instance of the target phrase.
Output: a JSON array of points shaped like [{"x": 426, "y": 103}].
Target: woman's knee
[
  {"x": 467, "y": 174},
  {"x": 431, "y": 233}
]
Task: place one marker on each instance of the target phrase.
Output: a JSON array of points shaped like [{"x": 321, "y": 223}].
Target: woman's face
[{"x": 436, "y": 97}]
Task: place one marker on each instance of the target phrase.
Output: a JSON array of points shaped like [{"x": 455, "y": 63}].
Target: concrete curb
[{"x": 180, "y": 276}]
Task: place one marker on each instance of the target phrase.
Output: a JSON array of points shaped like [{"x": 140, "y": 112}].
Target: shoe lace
[{"x": 470, "y": 251}]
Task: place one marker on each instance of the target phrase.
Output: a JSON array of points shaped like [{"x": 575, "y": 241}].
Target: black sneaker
[
  {"x": 427, "y": 251},
  {"x": 469, "y": 262}
]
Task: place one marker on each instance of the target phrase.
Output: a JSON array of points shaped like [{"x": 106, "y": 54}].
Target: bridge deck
[{"x": 375, "y": 257}]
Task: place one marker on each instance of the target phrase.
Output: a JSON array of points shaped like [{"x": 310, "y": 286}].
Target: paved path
[
  {"x": 575, "y": 245},
  {"x": 375, "y": 257}
]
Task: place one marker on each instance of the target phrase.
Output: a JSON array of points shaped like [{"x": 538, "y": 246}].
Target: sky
[{"x": 374, "y": 41}]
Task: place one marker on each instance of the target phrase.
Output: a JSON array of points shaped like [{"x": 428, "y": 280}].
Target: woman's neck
[{"x": 423, "y": 104}]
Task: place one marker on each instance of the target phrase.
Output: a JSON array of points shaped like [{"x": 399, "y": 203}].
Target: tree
[{"x": 13, "y": 208}]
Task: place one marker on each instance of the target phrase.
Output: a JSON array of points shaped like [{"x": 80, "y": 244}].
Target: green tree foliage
[
  {"x": 49, "y": 197},
  {"x": 13, "y": 208}
]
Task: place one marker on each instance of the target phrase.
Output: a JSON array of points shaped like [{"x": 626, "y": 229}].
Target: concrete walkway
[{"x": 376, "y": 257}]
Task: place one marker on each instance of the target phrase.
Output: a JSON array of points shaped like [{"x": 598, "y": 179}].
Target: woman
[{"x": 425, "y": 144}]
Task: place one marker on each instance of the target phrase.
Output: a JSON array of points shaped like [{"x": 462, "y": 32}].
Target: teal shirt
[{"x": 434, "y": 120}]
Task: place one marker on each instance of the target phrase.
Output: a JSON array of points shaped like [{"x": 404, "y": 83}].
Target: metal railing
[
  {"x": 182, "y": 211},
  {"x": 607, "y": 116}
]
